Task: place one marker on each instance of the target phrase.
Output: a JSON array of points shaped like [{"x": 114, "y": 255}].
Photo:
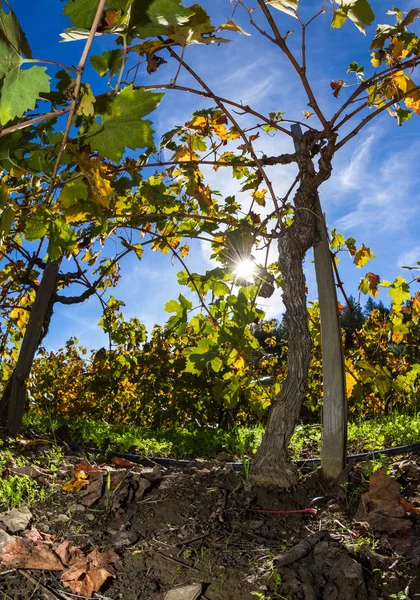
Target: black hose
[{"x": 238, "y": 466}]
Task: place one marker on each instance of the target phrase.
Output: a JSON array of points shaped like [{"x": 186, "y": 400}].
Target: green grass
[
  {"x": 17, "y": 490},
  {"x": 364, "y": 436}
]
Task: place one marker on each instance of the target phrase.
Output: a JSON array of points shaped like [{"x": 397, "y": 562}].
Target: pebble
[
  {"x": 77, "y": 508},
  {"x": 90, "y": 517},
  {"x": 62, "y": 518}
]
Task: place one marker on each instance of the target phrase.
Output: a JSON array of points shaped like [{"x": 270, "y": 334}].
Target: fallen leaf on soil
[
  {"x": 122, "y": 462},
  {"x": 186, "y": 592},
  {"x": 16, "y": 519},
  {"x": 87, "y": 575},
  {"x": 382, "y": 507},
  {"x": 39, "y": 536},
  {"x": 30, "y": 471},
  {"x": 24, "y": 553},
  {"x": 92, "y": 492},
  {"x": 68, "y": 553}
]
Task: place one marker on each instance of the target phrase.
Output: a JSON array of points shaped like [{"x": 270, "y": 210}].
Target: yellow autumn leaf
[
  {"x": 239, "y": 363},
  {"x": 405, "y": 84},
  {"x": 184, "y": 154},
  {"x": 232, "y": 26},
  {"x": 397, "y": 49},
  {"x": 350, "y": 380},
  {"x": 259, "y": 197},
  {"x": 199, "y": 122},
  {"x": 376, "y": 59},
  {"x": 184, "y": 250},
  {"x": 220, "y": 131},
  {"x": 363, "y": 256}
]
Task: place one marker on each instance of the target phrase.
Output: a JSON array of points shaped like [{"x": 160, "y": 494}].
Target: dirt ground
[{"x": 197, "y": 534}]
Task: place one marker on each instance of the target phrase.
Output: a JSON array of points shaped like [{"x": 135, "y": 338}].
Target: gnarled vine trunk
[
  {"x": 272, "y": 464},
  {"x": 12, "y": 403}
]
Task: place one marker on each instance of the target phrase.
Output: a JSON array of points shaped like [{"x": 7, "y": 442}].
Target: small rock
[
  {"x": 62, "y": 518},
  {"x": 77, "y": 508},
  {"x": 90, "y": 517}
]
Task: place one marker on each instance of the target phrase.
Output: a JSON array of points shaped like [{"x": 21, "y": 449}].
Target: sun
[{"x": 245, "y": 269}]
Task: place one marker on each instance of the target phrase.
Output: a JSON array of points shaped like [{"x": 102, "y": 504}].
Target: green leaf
[
  {"x": 288, "y": 6},
  {"x": 61, "y": 239},
  {"x": 399, "y": 291},
  {"x": 111, "y": 61},
  {"x": 358, "y": 11},
  {"x": 403, "y": 115},
  {"x": 172, "y": 306},
  {"x": 149, "y": 18},
  {"x": 216, "y": 364},
  {"x": 6, "y": 220},
  {"x": 35, "y": 229},
  {"x": 122, "y": 126},
  {"x": 339, "y": 18},
  {"x": 72, "y": 192},
  {"x": 20, "y": 90},
  {"x": 13, "y": 42},
  {"x": 220, "y": 289},
  {"x": 81, "y": 12}
]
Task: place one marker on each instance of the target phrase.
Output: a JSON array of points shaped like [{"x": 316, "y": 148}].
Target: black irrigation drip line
[{"x": 238, "y": 466}]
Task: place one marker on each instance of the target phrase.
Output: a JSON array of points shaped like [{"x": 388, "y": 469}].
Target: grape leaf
[
  {"x": 111, "y": 61},
  {"x": 287, "y": 6},
  {"x": 19, "y": 90},
  {"x": 35, "y": 229},
  {"x": 72, "y": 192},
  {"x": 81, "y": 12},
  {"x": 339, "y": 18},
  {"x": 61, "y": 238},
  {"x": 150, "y": 18},
  {"x": 122, "y": 126},
  {"x": 12, "y": 39}
]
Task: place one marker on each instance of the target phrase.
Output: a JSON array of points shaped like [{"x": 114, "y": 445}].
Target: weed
[
  {"x": 15, "y": 491},
  {"x": 403, "y": 595}
]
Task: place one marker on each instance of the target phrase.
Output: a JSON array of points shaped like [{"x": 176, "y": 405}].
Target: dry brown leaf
[
  {"x": 382, "y": 507},
  {"x": 23, "y": 553},
  {"x": 89, "y": 574},
  {"x": 122, "y": 462},
  {"x": 39, "y": 536},
  {"x": 68, "y": 553}
]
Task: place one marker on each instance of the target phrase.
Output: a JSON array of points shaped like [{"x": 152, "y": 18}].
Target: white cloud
[
  {"x": 409, "y": 257},
  {"x": 378, "y": 195}
]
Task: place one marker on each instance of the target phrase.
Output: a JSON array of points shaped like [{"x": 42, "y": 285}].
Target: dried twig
[{"x": 177, "y": 562}]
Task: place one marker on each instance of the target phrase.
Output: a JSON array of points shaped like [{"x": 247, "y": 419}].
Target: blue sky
[{"x": 373, "y": 194}]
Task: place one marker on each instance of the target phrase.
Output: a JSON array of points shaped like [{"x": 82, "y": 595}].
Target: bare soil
[{"x": 187, "y": 530}]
